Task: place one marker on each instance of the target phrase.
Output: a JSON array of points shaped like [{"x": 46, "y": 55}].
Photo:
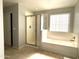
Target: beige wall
[
  {"x": 21, "y": 24},
  {"x": 67, "y": 51},
  {"x": 7, "y": 29},
  {"x": 19, "y": 13},
  {"x": 57, "y": 11},
  {"x": 28, "y": 13},
  {"x": 14, "y": 10},
  {"x": 22, "y": 12},
  {"x": 1, "y": 31},
  {"x": 39, "y": 31},
  {"x": 46, "y": 14},
  {"x": 76, "y": 23}
]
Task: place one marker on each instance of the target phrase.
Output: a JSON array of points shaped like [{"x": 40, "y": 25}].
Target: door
[{"x": 31, "y": 30}]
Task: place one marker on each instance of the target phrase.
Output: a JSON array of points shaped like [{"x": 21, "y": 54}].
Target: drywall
[
  {"x": 67, "y": 51},
  {"x": 55, "y": 11},
  {"x": 7, "y": 29},
  {"x": 28, "y": 13},
  {"x": 21, "y": 24},
  {"x": 76, "y": 23},
  {"x": 46, "y": 14},
  {"x": 14, "y": 10},
  {"x": 19, "y": 14},
  {"x": 39, "y": 31},
  {"x": 1, "y": 31},
  {"x": 22, "y": 12}
]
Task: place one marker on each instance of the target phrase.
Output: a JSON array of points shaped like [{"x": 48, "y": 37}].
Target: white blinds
[{"x": 60, "y": 22}]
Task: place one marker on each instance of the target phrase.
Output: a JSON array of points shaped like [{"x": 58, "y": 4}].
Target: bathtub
[{"x": 64, "y": 44}]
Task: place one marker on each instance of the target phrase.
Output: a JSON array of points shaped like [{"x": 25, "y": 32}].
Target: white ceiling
[{"x": 37, "y": 5}]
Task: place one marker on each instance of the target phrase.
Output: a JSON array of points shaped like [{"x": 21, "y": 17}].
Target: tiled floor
[{"x": 29, "y": 53}]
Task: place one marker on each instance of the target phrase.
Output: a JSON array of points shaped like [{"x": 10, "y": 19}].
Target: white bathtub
[
  {"x": 60, "y": 38},
  {"x": 63, "y": 47},
  {"x": 60, "y": 42}
]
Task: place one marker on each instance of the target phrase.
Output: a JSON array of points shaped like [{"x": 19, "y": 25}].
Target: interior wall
[
  {"x": 39, "y": 31},
  {"x": 56, "y": 11},
  {"x": 21, "y": 28},
  {"x": 19, "y": 13},
  {"x": 1, "y": 31},
  {"x": 46, "y": 16},
  {"x": 22, "y": 12},
  {"x": 47, "y": 13},
  {"x": 57, "y": 48},
  {"x": 28, "y": 13},
  {"x": 7, "y": 29},
  {"x": 76, "y": 23}
]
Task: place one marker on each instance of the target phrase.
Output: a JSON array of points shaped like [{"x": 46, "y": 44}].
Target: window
[
  {"x": 60, "y": 22},
  {"x": 42, "y": 21}
]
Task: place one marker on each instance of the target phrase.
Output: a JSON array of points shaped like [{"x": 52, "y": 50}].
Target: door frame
[
  {"x": 11, "y": 28},
  {"x": 35, "y": 30}
]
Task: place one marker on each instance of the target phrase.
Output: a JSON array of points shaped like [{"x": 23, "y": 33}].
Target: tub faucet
[{"x": 73, "y": 39}]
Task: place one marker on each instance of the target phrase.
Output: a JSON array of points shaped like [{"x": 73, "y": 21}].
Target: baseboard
[{"x": 37, "y": 47}]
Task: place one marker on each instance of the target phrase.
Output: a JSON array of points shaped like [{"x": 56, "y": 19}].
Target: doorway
[
  {"x": 8, "y": 29},
  {"x": 31, "y": 30},
  {"x": 11, "y": 23}
]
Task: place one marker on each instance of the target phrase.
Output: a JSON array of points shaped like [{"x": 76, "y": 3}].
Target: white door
[{"x": 31, "y": 30}]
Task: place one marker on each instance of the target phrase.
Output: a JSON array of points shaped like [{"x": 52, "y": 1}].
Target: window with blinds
[{"x": 60, "y": 22}]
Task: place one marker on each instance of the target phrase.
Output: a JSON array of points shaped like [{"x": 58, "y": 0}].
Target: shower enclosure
[{"x": 31, "y": 29}]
